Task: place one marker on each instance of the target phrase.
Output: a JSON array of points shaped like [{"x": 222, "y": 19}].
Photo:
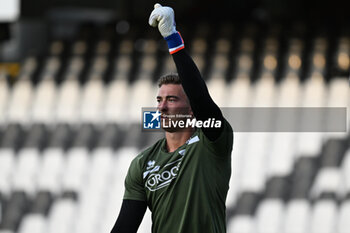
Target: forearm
[{"x": 130, "y": 216}]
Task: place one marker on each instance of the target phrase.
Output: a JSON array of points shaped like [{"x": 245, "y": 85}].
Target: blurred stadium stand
[{"x": 74, "y": 76}]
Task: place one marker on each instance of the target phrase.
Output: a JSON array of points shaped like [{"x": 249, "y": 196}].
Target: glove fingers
[
  {"x": 156, "y": 16},
  {"x": 160, "y": 18},
  {"x": 163, "y": 17},
  {"x": 157, "y": 5},
  {"x": 153, "y": 20}
]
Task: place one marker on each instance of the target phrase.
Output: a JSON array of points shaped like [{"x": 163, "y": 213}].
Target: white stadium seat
[
  {"x": 33, "y": 223},
  {"x": 68, "y": 102},
  {"x": 76, "y": 169},
  {"x": 26, "y": 170},
  {"x": 297, "y": 216},
  {"x": 270, "y": 216},
  {"x": 7, "y": 167},
  {"x": 324, "y": 216},
  {"x": 4, "y": 96},
  {"x": 20, "y": 101},
  {"x": 51, "y": 170},
  {"x": 343, "y": 224},
  {"x": 61, "y": 216},
  {"x": 92, "y": 101},
  {"x": 242, "y": 224}
]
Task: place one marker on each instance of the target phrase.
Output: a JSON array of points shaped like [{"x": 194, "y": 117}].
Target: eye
[{"x": 172, "y": 99}]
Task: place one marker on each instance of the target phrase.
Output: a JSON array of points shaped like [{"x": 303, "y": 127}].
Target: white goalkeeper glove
[{"x": 164, "y": 18}]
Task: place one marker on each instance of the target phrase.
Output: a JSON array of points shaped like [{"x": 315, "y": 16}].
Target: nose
[{"x": 162, "y": 106}]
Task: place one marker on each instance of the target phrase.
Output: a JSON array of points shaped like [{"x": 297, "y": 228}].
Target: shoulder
[
  {"x": 223, "y": 144},
  {"x": 144, "y": 156},
  {"x": 227, "y": 130}
]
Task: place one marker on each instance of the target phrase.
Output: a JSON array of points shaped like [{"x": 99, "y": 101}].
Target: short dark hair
[{"x": 172, "y": 78}]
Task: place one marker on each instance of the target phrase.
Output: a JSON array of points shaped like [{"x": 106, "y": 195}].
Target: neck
[{"x": 176, "y": 139}]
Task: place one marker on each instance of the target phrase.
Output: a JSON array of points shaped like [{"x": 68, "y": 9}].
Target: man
[{"x": 184, "y": 177}]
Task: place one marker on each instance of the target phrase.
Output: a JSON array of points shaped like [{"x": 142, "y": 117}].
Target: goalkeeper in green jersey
[{"x": 183, "y": 178}]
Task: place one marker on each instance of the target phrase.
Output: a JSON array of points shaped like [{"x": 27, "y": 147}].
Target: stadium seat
[
  {"x": 16, "y": 207},
  {"x": 253, "y": 175},
  {"x": 324, "y": 215},
  {"x": 61, "y": 216},
  {"x": 68, "y": 101},
  {"x": 30, "y": 66},
  {"x": 56, "y": 47},
  {"x": 345, "y": 172},
  {"x": 217, "y": 85},
  {"x": 76, "y": 168},
  {"x": 313, "y": 96},
  {"x": 4, "y": 96},
  {"x": 42, "y": 202},
  {"x": 92, "y": 100},
  {"x": 280, "y": 160},
  {"x": 7, "y": 165},
  {"x": 294, "y": 56},
  {"x": 238, "y": 154},
  {"x": 11, "y": 142},
  {"x": 338, "y": 96},
  {"x": 342, "y": 55},
  {"x": 35, "y": 219},
  {"x": 302, "y": 177},
  {"x": 140, "y": 94},
  {"x": 79, "y": 47},
  {"x": 242, "y": 224},
  {"x": 270, "y": 215},
  {"x": 199, "y": 47},
  {"x": 121, "y": 161},
  {"x": 25, "y": 172},
  {"x": 44, "y": 101},
  {"x": 297, "y": 216},
  {"x": 169, "y": 66},
  {"x": 239, "y": 92},
  {"x": 51, "y": 170},
  {"x": 33, "y": 223},
  {"x": 20, "y": 101},
  {"x": 29, "y": 159},
  {"x": 343, "y": 217},
  {"x": 117, "y": 101},
  {"x": 328, "y": 180}
]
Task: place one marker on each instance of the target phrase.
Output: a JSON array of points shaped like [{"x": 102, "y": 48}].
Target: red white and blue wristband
[{"x": 175, "y": 42}]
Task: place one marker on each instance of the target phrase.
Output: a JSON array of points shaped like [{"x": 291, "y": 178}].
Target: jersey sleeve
[
  {"x": 222, "y": 146},
  {"x": 134, "y": 187}
]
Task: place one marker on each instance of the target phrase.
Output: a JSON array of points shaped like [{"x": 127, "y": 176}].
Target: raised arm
[{"x": 202, "y": 105}]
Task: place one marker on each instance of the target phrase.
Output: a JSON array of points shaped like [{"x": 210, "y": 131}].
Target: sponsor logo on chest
[{"x": 159, "y": 177}]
